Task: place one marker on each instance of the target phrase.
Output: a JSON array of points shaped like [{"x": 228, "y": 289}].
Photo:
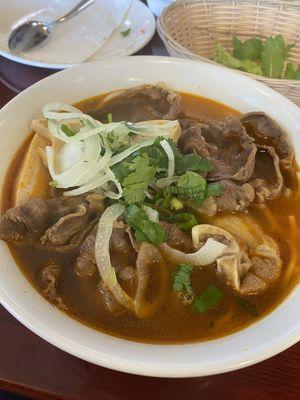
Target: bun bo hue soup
[{"x": 155, "y": 216}]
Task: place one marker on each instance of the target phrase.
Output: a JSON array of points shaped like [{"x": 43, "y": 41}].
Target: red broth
[{"x": 173, "y": 322}]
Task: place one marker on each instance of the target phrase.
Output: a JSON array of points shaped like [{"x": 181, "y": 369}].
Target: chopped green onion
[
  {"x": 208, "y": 299},
  {"x": 109, "y": 118},
  {"x": 67, "y": 131},
  {"x": 176, "y": 204},
  {"x": 126, "y": 32},
  {"x": 247, "y": 306},
  {"x": 185, "y": 221},
  {"x": 53, "y": 184}
]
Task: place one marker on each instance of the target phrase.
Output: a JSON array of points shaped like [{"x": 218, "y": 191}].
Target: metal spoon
[{"x": 31, "y": 34}]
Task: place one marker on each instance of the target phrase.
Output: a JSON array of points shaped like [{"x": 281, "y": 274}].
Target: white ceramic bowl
[{"x": 263, "y": 339}]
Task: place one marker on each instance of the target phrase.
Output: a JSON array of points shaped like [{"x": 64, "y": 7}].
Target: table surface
[{"x": 34, "y": 368}]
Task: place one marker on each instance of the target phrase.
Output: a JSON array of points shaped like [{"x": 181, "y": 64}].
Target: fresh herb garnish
[
  {"x": 126, "y": 32},
  {"x": 67, "y": 131},
  {"x": 176, "y": 204},
  {"x": 144, "y": 166},
  {"x": 267, "y": 58},
  {"x": 145, "y": 230},
  {"x": 191, "y": 162},
  {"x": 192, "y": 181},
  {"x": 182, "y": 279},
  {"x": 86, "y": 122},
  {"x": 291, "y": 72},
  {"x": 273, "y": 55},
  {"x": 247, "y": 306},
  {"x": 224, "y": 57},
  {"x": 117, "y": 142},
  {"x": 193, "y": 188},
  {"x": 213, "y": 189},
  {"x": 249, "y": 49},
  {"x": 53, "y": 184},
  {"x": 109, "y": 118},
  {"x": 185, "y": 221},
  {"x": 208, "y": 299},
  {"x": 136, "y": 183}
]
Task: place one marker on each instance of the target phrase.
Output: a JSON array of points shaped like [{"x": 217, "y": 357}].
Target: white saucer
[{"x": 139, "y": 19}]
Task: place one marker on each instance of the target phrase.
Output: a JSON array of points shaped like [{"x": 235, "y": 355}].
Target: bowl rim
[{"x": 157, "y": 369}]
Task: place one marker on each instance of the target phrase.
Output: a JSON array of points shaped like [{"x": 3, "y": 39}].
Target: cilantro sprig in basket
[
  {"x": 269, "y": 58},
  {"x": 257, "y": 38}
]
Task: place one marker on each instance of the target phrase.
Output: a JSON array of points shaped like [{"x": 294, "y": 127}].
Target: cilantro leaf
[
  {"x": 192, "y": 162},
  {"x": 222, "y": 56},
  {"x": 157, "y": 155},
  {"x": 136, "y": 183},
  {"x": 251, "y": 66},
  {"x": 121, "y": 170},
  {"x": 291, "y": 72},
  {"x": 208, "y": 299},
  {"x": 145, "y": 230},
  {"x": 117, "y": 142},
  {"x": 191, "y": 180},
  {"x": 273, "y": 55},
  {"x": 249, "y": 49},
  {"x": 213, "y": 189},
  {"x": 286, "y": 47},
  {"x": 126, "y": 32},
  {"x": 255, "y": 57},
  {"x": 182, "y": 279},
  {"x": 67, "y": 131},
  {"x": 225, "y": 58}
]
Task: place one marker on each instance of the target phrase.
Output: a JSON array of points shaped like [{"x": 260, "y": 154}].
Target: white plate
[
  {"x": 157, "y": 6},
  {"x": 139, "y": 19},
  {"x": 265, "y": 338}
]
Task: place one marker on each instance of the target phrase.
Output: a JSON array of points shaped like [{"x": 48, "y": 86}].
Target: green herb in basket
[{"x": 266, "y": 58}]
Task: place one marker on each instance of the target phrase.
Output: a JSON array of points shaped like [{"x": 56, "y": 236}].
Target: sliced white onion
[
  {"x": 67, "y": 155},
  {"x": 205, "y": 256},
  {"x": 50, "y": 109},
  {"x": 106, "y": 270},
  {"x": 84, "y": 159},
  {"x": 126, "y": 153},
  {"x": 154, "y": 130},
  {"x": 171, "y": 160},
  {"x": 73, "y": 176},
  {"x": 97, "y": 182},
  {"x": 63, "y": 111},
  {"x": 112, "y": 195},
  {"x": 203, "y": 231}
]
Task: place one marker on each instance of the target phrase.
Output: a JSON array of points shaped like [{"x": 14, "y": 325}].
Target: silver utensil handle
[{"x": 75, "y": 10}]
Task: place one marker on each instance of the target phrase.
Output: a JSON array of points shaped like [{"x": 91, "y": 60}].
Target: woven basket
[{"x": 190, "y": 29}]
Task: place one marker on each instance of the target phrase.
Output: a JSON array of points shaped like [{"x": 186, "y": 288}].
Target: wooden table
[{"x": 34, "y": 368}]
